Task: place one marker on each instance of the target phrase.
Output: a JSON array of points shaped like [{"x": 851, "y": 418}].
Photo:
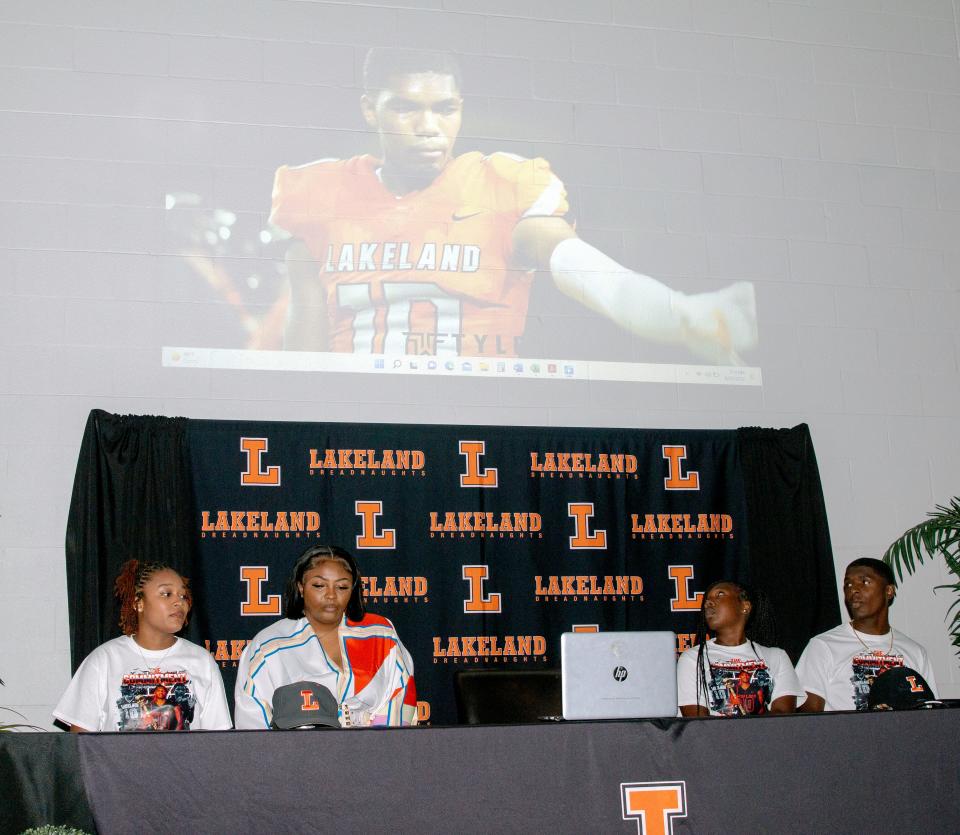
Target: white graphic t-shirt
[
  {"x": 122, "y": 687},
  {"x": 741, "y": 681},
  {"x": 841, "y": 664}
]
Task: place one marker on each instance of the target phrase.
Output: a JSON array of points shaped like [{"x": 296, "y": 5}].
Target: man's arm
[
  {"x": 535, "y": 239},
  {"x": 716, "y": 326},
  {"x": 635, "y": 302},
  {"x": 812, "y": 672},
  {"x": 306, "y": 328},
  {"x": 687, "y": 696},
  {"x": 813, "y": 704},
  {"x": 694, "y": 710},
  {"x": 926, "y": 670},
  {"x": 784, "y": 704}
]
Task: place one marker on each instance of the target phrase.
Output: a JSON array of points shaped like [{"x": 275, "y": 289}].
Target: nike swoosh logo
[{"x": 457, "y": 217}]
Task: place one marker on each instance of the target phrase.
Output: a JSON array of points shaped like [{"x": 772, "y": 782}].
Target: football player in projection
[{"x": 420, "y": 251}]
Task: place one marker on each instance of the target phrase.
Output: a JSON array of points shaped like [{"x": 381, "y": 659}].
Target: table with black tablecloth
[{"x": 882, "y": 772}]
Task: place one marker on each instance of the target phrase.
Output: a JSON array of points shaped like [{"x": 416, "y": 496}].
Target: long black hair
[
  {"x": 761, "y": 627},
  {"x": 293, "y": 598}
]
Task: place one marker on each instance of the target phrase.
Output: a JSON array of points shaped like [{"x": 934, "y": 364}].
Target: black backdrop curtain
[
  {"x": 789, "y": 547},
  {"x": 133, "y": 496}
]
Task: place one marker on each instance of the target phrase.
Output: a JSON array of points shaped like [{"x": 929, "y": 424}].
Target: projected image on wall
[{"x": 438, "y": 252}]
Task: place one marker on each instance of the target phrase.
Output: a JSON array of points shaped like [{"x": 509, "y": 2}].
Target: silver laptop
[{"x": 618, "y": 675}]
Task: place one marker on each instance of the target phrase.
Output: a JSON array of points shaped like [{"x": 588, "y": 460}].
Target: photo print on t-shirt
[
  {"x": 740, "y": 687},
  {"x": 866, "y": 667},
  {"x": 152, "y": 700}
]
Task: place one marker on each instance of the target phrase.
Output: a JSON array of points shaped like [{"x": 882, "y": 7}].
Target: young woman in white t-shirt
[
  {"x": 149, "y": 679},
  {"x": 736, "y": 672}
]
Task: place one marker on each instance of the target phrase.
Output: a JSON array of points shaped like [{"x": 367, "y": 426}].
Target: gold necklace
[{"x": 864, "y": 643}]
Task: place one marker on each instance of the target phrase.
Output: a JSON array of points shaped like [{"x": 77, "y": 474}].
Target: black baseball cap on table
[{"x": 901, "y": 688}]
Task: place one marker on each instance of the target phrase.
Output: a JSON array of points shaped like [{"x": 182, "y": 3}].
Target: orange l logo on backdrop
[
  {"x": 368, "y": 511},
  {"x": 675, "y": 479},
  {"x": 682, "y": 600},
  {"x": 253, "y": 577},
  {"x": 582, "y": 513},
  {"x": 477, "y": 603},
  {"x": 254, "y": 475},
  {"x": 654, "y": 806},
  {"x": 475, "y": 476}
]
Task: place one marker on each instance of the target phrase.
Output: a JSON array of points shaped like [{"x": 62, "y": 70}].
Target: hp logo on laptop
[{"x": 619, "y": 673}]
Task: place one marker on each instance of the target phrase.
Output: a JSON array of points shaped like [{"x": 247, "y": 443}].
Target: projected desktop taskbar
[{"x": 459, "y": 366}]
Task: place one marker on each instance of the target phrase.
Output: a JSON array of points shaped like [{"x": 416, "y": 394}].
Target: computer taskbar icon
[{"x": 460, "y": 365}]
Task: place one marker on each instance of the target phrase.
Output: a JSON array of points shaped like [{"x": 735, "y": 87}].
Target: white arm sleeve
[
  {"x": 715, "y": 326},
  {"x": 636, "y": 302},
  {"x": 214, "y": 713},
  {"x": 687, "y": 679},
  {"x": 927, "y": 673},
  {"x": 812, "y": 668},
  {"x": 83, "y": 702},
  {"x": 785, "y": 680},
  {"x": 248, "y": 712},
  {"x": 399, "y": 673}
]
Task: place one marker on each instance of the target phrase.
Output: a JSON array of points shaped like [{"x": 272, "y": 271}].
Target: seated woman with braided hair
[
  {"x": 149, "y": 679},
  {"x": 737, "y": 672},
  {"x": 327, "y": 638}
]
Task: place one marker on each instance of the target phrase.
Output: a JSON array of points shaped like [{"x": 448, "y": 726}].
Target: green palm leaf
[
  {"x": 16, "y": 726},
  {"x": 938, "y": 535}
]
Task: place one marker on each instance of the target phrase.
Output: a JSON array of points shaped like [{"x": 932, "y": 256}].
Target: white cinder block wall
[{"x": 812, "y": 147}]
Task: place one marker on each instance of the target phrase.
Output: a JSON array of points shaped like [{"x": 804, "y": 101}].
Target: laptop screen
[{"x": 618, "y": 675}]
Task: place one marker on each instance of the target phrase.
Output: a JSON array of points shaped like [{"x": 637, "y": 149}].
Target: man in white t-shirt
[{"x": 838, "y": 667}]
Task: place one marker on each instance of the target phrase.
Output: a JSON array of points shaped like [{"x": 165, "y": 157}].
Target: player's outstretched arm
[
  {"x": 715, "y": 326},
  {"x": 306, "y": 328}
]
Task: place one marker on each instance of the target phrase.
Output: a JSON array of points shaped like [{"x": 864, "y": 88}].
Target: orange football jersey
[{"x": 426, "y": 273}]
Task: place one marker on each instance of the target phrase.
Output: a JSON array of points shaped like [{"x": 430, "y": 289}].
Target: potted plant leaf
[
  {"x": 15, "y": 726},
  {"x": 939, "y": 535}
]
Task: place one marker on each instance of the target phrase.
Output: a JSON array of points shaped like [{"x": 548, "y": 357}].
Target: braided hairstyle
[
  {"x": 129, "y": 590},
  {"x": 761, "y": 627},
  {"x": 292, "y": 596}
]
